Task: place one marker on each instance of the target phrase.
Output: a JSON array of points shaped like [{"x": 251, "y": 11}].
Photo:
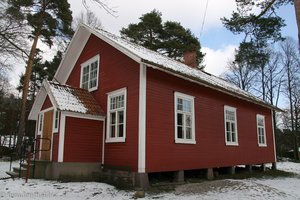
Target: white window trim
[
  {"x": 55, "y": 129},
  {"x": 122, "y": 91},
  {"x": 191, "y": 98},
  {"x": 264, "y": 127},
  {"x": 88, "y": 62},
  {"x": 40, "y": 129},
  {"x": 229, "y": 108}
]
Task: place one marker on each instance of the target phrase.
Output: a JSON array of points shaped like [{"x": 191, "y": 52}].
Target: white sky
[{"x": 217, "y": 42}]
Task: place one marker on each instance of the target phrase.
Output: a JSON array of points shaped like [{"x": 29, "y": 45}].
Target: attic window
[{"x": 90, "y": 74}]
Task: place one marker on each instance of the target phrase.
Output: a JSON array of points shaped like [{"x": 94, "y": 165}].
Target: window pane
[
  {"x": 260, "y": 121},
  {"x": 180, "y": 119},
  {"x": 112, "y": 118},
  {"x": 41, "y": 122},
  {"x": 85, "y": 77},
  {"x": 233, "y": 138},
  {"x": 121, "y": 117},
  {"x": 120, "y": 130},
  {"x": 230, "y": 115},
  {"x": 179, "y": 104},
  {"x": 228, "y": 136},
  {"x": 233, "y": 127},
  {"x": 228, "y": 126},
  {"x": 179, "y": 132},
  {"x": 188, "y": 120},
  {"x": 188, "y": 133},
  {"x": 112, "y": 131},
  {"x": 187, "y": 106},
  {"x": 56, "y": 120}
]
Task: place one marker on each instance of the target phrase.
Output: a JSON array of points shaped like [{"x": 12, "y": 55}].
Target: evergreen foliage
[{"x": 169, "y": 38}]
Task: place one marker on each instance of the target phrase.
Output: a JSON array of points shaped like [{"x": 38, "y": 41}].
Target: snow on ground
[
  {"x": 286, "y": 188},
  {"x": 4, "y": 167}
]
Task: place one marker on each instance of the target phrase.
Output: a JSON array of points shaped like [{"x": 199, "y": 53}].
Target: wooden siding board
[
  {"x": 210, "y": 150},
  {"x": 116, "y": 71},
  {"x": 47, "y": 103},
  {"x": 55, "y": 147},
  {"x": 83, "y": 140}
]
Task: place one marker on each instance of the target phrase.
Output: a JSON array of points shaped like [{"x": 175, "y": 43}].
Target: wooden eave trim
[
  {"x": 114, "y": 44},
  {"x": 83, "y": 115},
  {"x": 37, "y": 104},
  {"x": 51, "y": 97}
]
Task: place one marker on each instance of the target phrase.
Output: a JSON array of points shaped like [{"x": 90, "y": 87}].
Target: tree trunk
[{"x": 27, "y": 76}]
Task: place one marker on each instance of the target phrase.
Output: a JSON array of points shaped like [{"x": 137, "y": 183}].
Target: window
[
  {"x": 41, "y": 122},
  {"x": 261, "y": 131},
  {"x": 89, "y": 74},
  {"x": 184, "y": 119},
  {"x": 231, "y": 135},
  {"x": 55, "y": 121},
  {"x": 116, "y": 113}
]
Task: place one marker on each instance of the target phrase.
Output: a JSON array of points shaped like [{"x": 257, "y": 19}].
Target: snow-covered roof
[
  {"x": 72, "y": 99},
  {"x": 150, "y": 59},
  {"x": 157, "y": 60}
]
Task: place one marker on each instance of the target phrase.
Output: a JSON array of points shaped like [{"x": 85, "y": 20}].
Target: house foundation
[
  {"x": 274, "y": 166},
  {"x": 209, "y": 174},
  {"x": 179, "y": 176},
  {"x": 68, "y": 171},
  {"x": 231, "y": 170},
  {"x": 263, "y": 167},
  {"x": 249, "y": 168},
  {"x": 142, "y": 180}
]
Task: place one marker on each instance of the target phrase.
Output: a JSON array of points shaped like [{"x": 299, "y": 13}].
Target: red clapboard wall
[{"x": 209, "y": 151}]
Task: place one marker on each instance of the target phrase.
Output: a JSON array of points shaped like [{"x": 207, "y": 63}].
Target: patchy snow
[
  {"x": 263, "y": 188},
  {"x": 65, "y": 98},
  {"x": 169, "y": 64},
  {"x": 5, "y": 166}
]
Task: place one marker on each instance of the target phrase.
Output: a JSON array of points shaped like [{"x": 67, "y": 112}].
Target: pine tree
[
  {"x": 169, "y": 38},
  {"x": 47, "y": 20}
]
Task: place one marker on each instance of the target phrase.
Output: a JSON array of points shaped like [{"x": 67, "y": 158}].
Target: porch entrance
[{"x": 47, "y": 134}]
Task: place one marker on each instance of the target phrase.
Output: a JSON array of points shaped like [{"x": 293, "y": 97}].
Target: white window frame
[
  {"x": 41, "y": 123},
  {"x": 88, "y": 63},
  {"x": 184, "y": 140},
  {"x": 232, "y": 109},
  {"x": 258, "y": 116},
  {"x": 55, "y": 129},
  {"x": 122, "y": 91}
]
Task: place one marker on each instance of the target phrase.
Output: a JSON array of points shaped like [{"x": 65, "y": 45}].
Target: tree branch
[{"x": 13, "y": 44}]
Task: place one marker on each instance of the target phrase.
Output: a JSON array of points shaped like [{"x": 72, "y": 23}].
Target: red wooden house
[{"x": 116, "y": 106}]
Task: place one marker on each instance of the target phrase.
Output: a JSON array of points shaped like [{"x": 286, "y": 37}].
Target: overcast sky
[{"x": 217, "y": 42}]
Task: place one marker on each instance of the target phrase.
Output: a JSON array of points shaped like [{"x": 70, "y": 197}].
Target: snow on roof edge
[{"x": 166, "y": 63}]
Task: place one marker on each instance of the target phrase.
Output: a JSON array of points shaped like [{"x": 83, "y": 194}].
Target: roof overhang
[
  {"x": 214, "y": 87},
  {"x": 38, "y": 103},
  {"x": 80, "y": 39}
]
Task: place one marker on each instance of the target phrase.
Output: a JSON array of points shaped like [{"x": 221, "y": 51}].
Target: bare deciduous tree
[
  {"x": 291, "y": 62},
  {"x": 102, "y": 4},
  {"x": 88, "y": 18},
  {"x": 13, "y": 34},
  {"x": 241, "y": 74}
]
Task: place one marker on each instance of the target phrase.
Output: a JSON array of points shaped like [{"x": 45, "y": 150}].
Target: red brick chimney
[{"x": 190, "y": 58}]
